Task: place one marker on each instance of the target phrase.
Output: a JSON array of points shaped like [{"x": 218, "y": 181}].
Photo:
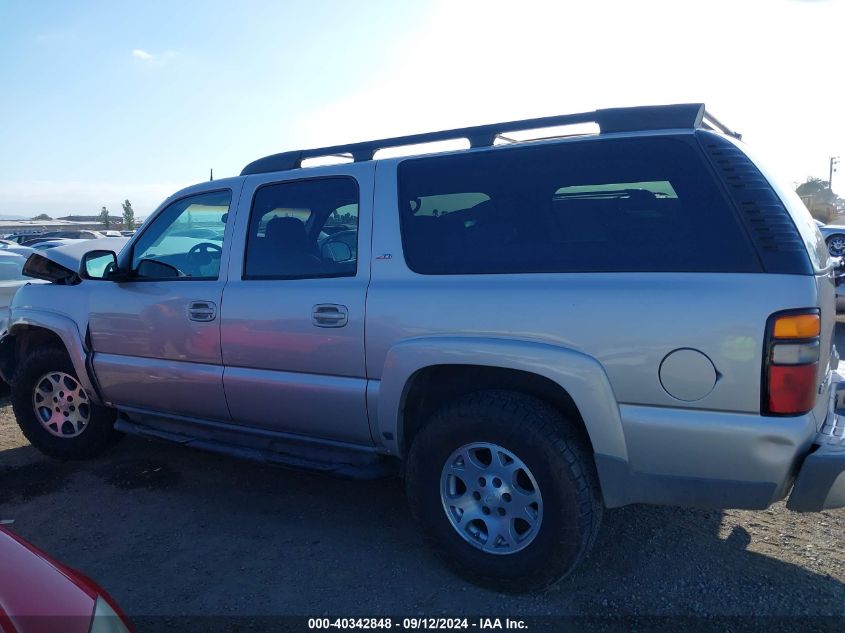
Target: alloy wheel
[
  {"x": 61, "y": 404},
  {"x": 491, "y": 498},
  {"x": 836, "y": 246}
]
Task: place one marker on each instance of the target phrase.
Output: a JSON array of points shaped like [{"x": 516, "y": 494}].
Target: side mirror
[
  {"x": 101, "y": 265},
  {"x": 337, "y": 252}
]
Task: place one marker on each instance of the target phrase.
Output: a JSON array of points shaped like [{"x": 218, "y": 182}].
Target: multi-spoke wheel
[
  {"x": 53, "y": 409},
  {"x": 491, "y": 498},
  {"x": 505, "y": 489},
  {"x": 61, "y": 404}
]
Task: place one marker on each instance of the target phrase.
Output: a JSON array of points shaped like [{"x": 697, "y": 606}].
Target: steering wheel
[{"x": 201, "y": 254}]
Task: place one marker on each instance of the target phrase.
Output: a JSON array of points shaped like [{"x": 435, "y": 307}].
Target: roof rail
[
  {"x": 634, "y": 119},
  {"x": 710, "y": 122}
]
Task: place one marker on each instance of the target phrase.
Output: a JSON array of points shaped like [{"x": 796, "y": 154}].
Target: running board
[{"x": 334, "y": 461}]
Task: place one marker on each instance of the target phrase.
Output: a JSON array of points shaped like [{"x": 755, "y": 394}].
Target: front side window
[
  {"x": 185, "y": 240},
  {"x": 303, "y": 229}
]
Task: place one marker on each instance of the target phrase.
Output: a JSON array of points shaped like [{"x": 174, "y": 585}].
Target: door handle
[
  {"x": 330, "y": 315},
  {"x": 203, "y": 311}
]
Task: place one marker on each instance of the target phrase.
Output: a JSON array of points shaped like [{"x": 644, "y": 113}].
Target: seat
[{"x": 284, "y": 251}]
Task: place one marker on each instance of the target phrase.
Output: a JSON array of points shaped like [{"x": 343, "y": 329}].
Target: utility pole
[{"x": 834, "y": 161}]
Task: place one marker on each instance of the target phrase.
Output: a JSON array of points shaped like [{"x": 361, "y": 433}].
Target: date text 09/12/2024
[{"x": 420, "y": 623}]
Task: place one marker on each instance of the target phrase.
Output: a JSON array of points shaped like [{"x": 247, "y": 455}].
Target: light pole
[{"x": 834, "y": 161}]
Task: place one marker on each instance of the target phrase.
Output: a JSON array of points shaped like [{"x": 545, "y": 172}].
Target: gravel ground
[{"x": 171, "y": 531}]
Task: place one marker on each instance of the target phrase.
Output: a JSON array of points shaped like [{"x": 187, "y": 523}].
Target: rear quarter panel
[{"x": 628, "y": 322}]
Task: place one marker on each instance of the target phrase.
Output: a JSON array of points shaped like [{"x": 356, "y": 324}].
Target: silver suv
[{"x": 528, "y": 331}]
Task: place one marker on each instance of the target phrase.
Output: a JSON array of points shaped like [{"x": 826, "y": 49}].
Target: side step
[{"x": 331, "y": 460}]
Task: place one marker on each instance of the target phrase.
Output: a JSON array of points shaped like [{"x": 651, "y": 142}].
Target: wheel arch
[
  {"x": 432, "y": 387},
  {"x": 29, "y": 328},
  {"x": 568, "y": 379}
]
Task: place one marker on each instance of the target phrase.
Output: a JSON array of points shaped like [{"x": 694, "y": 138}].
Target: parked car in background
[
  {"x": 11, "y": 279},
  {"x": 127, "y": 233},
  {"x": 112, "y": 233},
  {"x": 839, "y": 276},
  {"x": 20, "y": 238},
  {"x": 14, "y": 247},
  {"x": 834, "y": 237},
  {"x": 72, "y": 235},
  {"x": 472, "y": 339},
  {"x": 41, "y": 595},
  {"x": 42, "y": 245}
]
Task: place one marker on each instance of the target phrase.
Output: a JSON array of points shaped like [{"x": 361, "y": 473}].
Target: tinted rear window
[{"x": 604, "y": 205}]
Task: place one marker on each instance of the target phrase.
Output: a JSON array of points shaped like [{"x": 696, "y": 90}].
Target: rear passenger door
[{"x": 293, "y": 309}]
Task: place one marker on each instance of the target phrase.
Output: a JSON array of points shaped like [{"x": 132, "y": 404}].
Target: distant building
[
  {"x": 114, "y": 220},
  {"x": 18, "y": 227},
  {"x": 68, "y": 222}
]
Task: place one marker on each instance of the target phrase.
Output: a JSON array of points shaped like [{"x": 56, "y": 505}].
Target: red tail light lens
[
  {"x": 792, "y": 388},
  {"x": 791, "y": 362}
]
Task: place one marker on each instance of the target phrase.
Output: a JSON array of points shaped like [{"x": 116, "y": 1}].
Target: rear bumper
[
  {"x": 820, "y": 484},
  {"x": 705, "y": 459},
  {"x": 715, "y": 459}
]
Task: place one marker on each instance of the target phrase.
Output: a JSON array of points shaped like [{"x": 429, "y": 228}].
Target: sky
[{"x": 106, "y": 101}]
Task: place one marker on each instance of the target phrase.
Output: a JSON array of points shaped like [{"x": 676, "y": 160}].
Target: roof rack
[{"x": 635, "y": 119}]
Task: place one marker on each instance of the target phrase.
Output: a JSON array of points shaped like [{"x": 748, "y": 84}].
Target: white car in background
[
  {"x": 11, "y": 278},
  {"x": 834, "y": 237},
  {"x": 13, "y": 257},
  {"x": 59, "y": 241}
]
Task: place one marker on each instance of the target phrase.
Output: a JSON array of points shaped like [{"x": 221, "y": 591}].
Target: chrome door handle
[
  {"x": 203, "y": 311},
  {"x": 330, "y": 315}
]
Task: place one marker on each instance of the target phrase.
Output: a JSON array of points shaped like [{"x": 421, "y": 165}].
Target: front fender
[
  {"x": 580, "y": 375},
  {"x": 63, "y": 327}
]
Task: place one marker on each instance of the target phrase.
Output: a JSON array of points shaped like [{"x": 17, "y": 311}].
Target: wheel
[
  {"x": 54, "y": 411},
  {"x": 505, "y": 490},
  {"x": 836, "y": 245}
]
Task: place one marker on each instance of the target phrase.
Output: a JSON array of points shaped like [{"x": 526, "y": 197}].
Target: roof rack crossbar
[{"x": 642, "y": 118}]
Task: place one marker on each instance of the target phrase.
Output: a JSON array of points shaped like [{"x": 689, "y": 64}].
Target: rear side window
[
  {"x": 303, "y": 229},
  {"x": 597, "y": 206}
]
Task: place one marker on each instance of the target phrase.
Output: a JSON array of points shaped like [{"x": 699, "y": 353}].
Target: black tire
[
  {"x": 96, "y": 437},
  {"x": 556, "y": 456}
]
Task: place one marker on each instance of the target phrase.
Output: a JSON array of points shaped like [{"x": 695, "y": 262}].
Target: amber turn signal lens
[{"x": 797, "y": 326}]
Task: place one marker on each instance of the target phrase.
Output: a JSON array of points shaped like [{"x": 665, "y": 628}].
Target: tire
[
  {"x": 538, "y": 436},
  {"x": 836, "y": 245},
  {"x": 88, "y": 439}
]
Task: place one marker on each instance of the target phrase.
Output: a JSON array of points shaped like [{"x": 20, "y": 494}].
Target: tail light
[{"x": 791, "y": 362}]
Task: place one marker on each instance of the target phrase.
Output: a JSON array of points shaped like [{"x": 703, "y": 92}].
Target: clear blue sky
[{"x": 102, "y": 101}]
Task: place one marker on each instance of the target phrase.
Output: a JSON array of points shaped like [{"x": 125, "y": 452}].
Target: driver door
[{"x": 156, "y": 336}]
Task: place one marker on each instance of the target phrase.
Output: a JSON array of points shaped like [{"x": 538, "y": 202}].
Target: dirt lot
[{"x": 171, "y": 531}]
